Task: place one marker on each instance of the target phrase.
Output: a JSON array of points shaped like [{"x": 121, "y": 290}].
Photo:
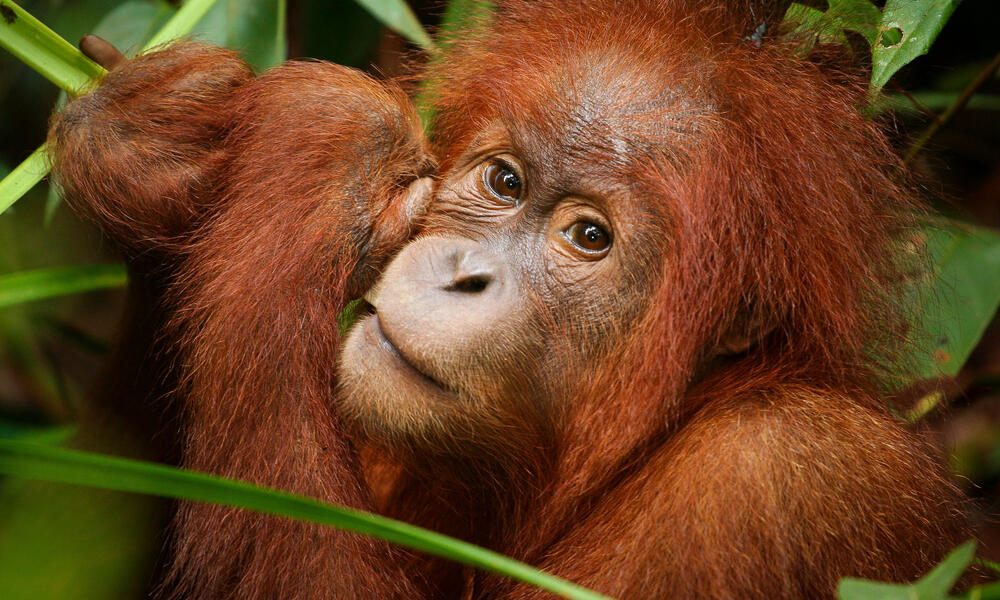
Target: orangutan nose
[
  {"x": 442, "y": 296},
  {"x": 475, "y": 271}
]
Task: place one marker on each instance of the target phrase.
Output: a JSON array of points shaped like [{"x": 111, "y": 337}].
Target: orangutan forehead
[{"x": 599, "y": 108}]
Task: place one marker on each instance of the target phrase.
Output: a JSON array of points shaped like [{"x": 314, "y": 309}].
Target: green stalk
[
  {"x": 23, "y": 177},
  {"x": 35, "y": 461},
  {"x": 61, "y": 63},
  {"x": 38, "y": 284},
  {"x": 960, "y": 101},
  {"x": 181, "y": 23},
  {"x": 44, "y": 51}
]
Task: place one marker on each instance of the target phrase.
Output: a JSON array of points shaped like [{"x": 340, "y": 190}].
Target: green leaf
[
  {"x": 396, "y": 15},
  {"x": 189, "y": 14},
  {"x": 131, "y": 23},
  {"x": 38, "y": 434},
  {"x": 989, "y": 564},
  {"x": 346, "y": 35},
  {"x": 862, "y": 589},
  {"x": 44, "y": 51},
  {"x": 23, "y": 178},
  {"x": 942, "y": 578},
  {"x": 917, "y": 23},
  {"x": 461, "y": 18},
  {"x": 254, "y": 27},
  {"x": 348, "y": 316},
  {"x": 63, "y": 541},
  {"x": 860, "y": 16},
  {"x": 83, "y": 468},
  {"x": 962, "y": 296},
  {"x": 933, "y": 586},
  {"x": 988, "y": 591},
  {"x": 25, "y": 286}
]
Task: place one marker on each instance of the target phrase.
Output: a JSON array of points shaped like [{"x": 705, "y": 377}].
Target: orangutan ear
[{"x": 750, "y": 326}]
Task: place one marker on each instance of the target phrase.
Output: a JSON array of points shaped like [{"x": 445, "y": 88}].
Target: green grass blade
[
  {"x": 181, "y": 23},
  {"x": 23, "y": 178},
  {"x": 47, "y": 463},
  {"x": 932, "y": 586},
  {"x": 44, "y": 51},
  {"x": 461, "y": 18},
  {"x": 25, "y": 286},
  {"x": 397, "y": 15}
]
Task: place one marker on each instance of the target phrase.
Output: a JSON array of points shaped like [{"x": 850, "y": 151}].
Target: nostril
[
  {"x": 469, "y": 283},
  {"x": 471, "y": 271}
]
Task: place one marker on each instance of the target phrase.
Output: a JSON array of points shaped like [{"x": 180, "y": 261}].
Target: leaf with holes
[{"x": 907, "y": 30}]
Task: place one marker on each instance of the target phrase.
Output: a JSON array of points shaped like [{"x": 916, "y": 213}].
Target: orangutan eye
[
  {"x": 502, "y": 181},
  {"x": 589, "y": 237}
]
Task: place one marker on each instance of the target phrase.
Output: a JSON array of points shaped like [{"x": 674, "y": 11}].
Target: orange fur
[{"x": 677, "y": 471}]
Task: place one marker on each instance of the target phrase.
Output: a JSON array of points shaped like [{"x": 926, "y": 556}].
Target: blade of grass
[
  {"x": 181, "y": 23},
  {"x": 36, "y": 461},
  {"x": 24, "y": 177},
  {"x": 461, "y": 18},
  {"x": 397, "y": 15},
  {"x": 25, "y": 286},
  {"x": 44, "y": 51}
]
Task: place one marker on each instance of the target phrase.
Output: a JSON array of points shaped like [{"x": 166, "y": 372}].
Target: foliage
[
  {"x": 933, "y": 586},
  {"x": 907, "y": 29},
  {"x": 959, "y": 302},
  {"x": 67, "y": 466}
]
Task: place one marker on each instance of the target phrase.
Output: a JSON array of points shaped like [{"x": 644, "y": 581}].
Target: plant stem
[
  {"x": 58, "y": 61},
  {"x": 44, "y": 51},
  {"x": 23, "y": 178},
  {"x": 181, "y": 23},
  {"x": 985, "y": 75}
]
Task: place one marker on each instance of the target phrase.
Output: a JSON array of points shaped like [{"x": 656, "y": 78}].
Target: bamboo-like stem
[
  {"x": 61, "y": 63},
  {"x": 47, "y": 463},
  {"x": 45, "y": 51},
  {"x": 985, "y": 75}
]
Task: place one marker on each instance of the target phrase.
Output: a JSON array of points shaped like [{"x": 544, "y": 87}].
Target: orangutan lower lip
[{"x": 383, "y": 340}]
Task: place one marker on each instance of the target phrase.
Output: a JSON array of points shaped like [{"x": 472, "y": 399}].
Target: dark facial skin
[{"x": 526, "y": 272}]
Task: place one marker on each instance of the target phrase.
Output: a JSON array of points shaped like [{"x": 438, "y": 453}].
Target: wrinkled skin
[
  {"x": 622, "y": 313},
  {"x": 472, "y": 316}
]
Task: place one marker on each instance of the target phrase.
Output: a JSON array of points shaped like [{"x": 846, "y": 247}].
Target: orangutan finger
[{"x": 101, "y": 51}]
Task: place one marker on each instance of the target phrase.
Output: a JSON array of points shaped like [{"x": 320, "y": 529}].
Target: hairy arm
[
  {"x": 324, "y": 186},
  {"x": 140, "y": 153},
  {"x": 777, "y": 496},
  {"x": 255, "y": 208}
]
